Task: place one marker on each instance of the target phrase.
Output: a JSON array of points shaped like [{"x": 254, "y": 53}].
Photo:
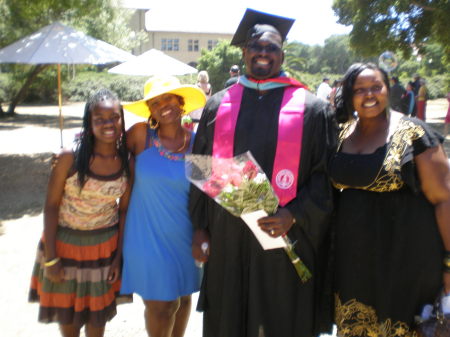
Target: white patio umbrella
[
  {"x": 60, "y": 44},
  {"x": 153, "y": 62}
]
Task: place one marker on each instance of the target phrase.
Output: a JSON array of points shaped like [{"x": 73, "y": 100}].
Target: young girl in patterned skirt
[{"x": 76, "y": 274}]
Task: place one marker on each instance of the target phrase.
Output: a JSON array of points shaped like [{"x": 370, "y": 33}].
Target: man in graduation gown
[{"x": 247, "y": 291}]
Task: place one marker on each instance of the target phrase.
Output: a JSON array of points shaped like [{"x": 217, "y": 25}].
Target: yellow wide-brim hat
[{"x": 194, "y": 98}]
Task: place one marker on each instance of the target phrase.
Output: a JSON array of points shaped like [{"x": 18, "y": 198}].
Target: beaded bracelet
[{"x": 52, "y": 262}]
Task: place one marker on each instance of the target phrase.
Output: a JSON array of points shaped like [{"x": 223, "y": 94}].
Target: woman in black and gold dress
[{"x": 393, "y": 211}]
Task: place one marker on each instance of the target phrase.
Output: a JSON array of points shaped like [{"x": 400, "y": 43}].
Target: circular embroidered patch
[{"x": 284, "y": 179}]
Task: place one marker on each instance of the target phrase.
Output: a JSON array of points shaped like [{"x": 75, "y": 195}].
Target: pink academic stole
[{"x": 289, "y": 142}]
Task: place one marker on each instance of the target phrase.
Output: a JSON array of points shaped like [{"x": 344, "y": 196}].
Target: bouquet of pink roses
[{"x": 240, "y": 186}]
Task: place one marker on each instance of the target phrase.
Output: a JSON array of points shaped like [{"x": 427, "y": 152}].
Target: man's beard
[{"x": 261, "y": 72}]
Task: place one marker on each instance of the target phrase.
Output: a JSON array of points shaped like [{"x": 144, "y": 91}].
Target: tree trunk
[{"x": 22, "y": 92}]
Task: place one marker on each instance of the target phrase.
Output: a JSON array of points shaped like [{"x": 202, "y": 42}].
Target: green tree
[
  {"x": 217, "y": 63},
  {"x": 296, "y": 56},
  {"x": 403, "y": 25},
  {"x": 337, "y": 54},
  {"x": 98, "y": 18},
  {"x": 432, "y": 60}
]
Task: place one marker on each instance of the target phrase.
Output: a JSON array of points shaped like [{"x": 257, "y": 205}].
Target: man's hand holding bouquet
[{"x": 240, "y": 186}]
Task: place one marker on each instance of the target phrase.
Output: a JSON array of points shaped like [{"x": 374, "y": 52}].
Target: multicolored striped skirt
[{"x": 85, "y": 296}]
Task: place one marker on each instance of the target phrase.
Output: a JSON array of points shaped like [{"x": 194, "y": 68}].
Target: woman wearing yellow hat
[{"x": 158, "y": 264}]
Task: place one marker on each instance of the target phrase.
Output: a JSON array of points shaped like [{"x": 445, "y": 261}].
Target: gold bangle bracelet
[{"x": 52, "y": 262}]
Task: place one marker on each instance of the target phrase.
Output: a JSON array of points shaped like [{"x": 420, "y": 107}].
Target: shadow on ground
[
  {"x": 21, "y": 120},
  {"x": 23, "y": 178}
]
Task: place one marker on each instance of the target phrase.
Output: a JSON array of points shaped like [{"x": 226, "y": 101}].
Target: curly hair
[
  {"x": 343, "y": 100},
  {"x": 85, "y": 143}
]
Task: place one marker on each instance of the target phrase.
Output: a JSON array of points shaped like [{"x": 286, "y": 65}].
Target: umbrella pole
[{"x": 60, "y": 104}]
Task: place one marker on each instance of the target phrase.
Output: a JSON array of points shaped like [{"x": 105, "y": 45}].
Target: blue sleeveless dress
[{"x": 158, "y": 263}]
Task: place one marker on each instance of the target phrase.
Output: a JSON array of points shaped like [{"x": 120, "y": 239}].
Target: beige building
[
  {"x": 182, "y": 40},
  {"x": 184, "y": 46}
]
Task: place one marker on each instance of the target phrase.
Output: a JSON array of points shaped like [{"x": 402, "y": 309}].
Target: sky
[{"x": 315, "y": 20}]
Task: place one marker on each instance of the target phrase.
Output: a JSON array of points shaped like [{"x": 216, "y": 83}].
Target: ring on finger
[{"x": 272, "y": 232}]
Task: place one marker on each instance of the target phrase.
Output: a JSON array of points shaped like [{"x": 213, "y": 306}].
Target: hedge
[{"x": 130, "y": 88}]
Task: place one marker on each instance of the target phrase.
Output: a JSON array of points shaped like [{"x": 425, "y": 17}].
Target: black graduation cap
[{"x": 252, "y": 17}]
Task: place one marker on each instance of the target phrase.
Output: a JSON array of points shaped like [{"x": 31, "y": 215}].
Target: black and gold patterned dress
[{"x": 388, "y": 247}]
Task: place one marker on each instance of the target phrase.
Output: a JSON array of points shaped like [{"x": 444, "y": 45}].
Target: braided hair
[
  {"x": 343, "y": 100},
  {"x": 85, "y": 143}
]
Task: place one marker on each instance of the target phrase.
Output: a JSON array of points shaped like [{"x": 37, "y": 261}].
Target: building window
[
  {"x": 170, "y": 44},
  {"x": 211, "y": 44},
  {"x": 192, "y": 45}
]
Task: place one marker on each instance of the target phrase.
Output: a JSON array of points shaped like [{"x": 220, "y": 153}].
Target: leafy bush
[
  {"x": 4, "y": 85},
  {"x": 128, "y": 88},
  {"x": 217, "y": 63},
  {"x": 88, "y": 80},
  {"x": 438, "y": 86},
  {"x": 8, "y": 87},
  {"x": 312, "y": 81}
]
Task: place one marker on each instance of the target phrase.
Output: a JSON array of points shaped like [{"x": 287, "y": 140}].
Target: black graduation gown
[{"x": 246, "y": 291}]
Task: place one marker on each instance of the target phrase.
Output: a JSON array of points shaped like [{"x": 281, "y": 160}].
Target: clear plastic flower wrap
[{"x": 240, "y": 186}]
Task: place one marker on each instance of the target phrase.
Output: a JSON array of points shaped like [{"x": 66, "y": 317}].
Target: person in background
[
  {"x": 158, "y": 264},
  {"x": 422, "y": 100},
  {"x": 247, "y": 291},
  {"x": 409, "y": 101},
  {"x": 234, "y": 76},
  {"x": 205, "y": 86},
  {"x": 76, "y": 276},
  {"x": 416, "y": 84},
  {"x": 396, "y": 94},
  {"x": 203, "y": 83},
  {"x": 392, "y": 222},
  {"x": 324, "y": 90},
  {"x": 335, "y": 91}
]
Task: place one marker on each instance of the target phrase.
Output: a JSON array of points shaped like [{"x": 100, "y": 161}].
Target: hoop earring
[{"x": 152, "y": 123}]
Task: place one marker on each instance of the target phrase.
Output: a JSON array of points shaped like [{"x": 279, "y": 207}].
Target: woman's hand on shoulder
[
  {"x": 62, "y": 165},
  {"x": 62, "y": 159}
]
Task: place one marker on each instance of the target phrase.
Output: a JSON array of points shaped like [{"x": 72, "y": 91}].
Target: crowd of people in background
[
  {"x": 364, "y": 192},
  {"x": 410, "y": 100}
]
